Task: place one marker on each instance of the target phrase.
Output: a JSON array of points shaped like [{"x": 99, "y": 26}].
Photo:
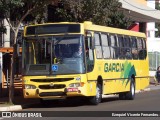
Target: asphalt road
[{"x": 145, "y": 101}]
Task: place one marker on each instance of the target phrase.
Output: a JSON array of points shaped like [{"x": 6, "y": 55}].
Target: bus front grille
[
  {"x": 44, "y": 94},
  {"x": 52, "y": 86}
]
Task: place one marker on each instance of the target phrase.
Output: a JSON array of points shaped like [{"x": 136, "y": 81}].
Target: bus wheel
[
  {"x": 95, "y": 100},
  {"x": 131, "y": 94},
  {"x": 122, "y": 96}
]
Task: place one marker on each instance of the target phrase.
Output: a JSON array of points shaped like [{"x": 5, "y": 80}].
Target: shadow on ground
[{"x": 73, "y": 102}]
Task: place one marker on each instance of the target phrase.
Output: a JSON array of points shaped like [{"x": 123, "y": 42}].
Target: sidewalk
[{"x": 21, "y": 103}]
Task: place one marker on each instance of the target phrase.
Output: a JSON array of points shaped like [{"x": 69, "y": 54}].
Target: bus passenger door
[{"x": 91, "y": 79}]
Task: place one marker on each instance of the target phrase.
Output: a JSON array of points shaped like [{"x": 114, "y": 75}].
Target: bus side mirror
[{"x": 90, "y": 40}]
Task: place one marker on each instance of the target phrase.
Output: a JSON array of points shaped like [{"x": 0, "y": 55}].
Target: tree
[
  {"x": 2, "y": 29},
  {"x": 102, "y": 12},
  {"x": 18, "y": 10},
  {"x": 157, "y": 24}
]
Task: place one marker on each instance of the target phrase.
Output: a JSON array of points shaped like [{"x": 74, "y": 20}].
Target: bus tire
[
  {"x": 131, "y": 94},
  {"x": 122, "y": 96},
  {"x": 95, "y": 100}
]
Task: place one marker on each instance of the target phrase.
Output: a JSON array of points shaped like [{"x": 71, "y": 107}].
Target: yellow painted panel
[{"x": 115, "y": 86}]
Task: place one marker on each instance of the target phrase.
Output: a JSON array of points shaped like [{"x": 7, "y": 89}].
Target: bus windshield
[{"x": 53, "y": 55}]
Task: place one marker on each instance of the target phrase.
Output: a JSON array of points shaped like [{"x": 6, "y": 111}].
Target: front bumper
[{"x": 63, "y": 93}]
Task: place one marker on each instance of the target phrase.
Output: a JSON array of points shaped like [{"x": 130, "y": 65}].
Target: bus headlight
[
  {"x": 30, "y": 87},
  {"x": 81, "y": 84}
]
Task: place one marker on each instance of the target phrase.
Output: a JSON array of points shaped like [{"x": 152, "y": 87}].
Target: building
[
  {"x": 6, "y": 51},
  {"x": 145, "y": 15}
]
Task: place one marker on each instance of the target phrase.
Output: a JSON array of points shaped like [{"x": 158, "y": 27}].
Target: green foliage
[
  {"x": 16, "y": 9},
  {"x": 7, "y": 5},
  {"x": 119, "y": 20},
  {"x": 63, "y": 15},
  {"x": 102, "y": 12},
  {"x": 158, "y": 32},
  {"x": 157, "y": 24},
  {"x": 157, "y": 5}
]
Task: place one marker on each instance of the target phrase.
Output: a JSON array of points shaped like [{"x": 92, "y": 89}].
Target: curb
[
  {"x": 137, "y": 91},
  {"x": 144, "y": 90},
  {"x": 109, "y": 96},
  {"x": 11, "y": 108}
]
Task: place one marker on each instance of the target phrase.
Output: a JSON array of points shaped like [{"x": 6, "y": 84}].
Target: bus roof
[
  {"x": 99, "y": 28},
  {"x": 92, "y": 27}
]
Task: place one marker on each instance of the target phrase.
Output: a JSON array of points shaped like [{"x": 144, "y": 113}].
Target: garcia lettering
[{"x": 114, "y": 67}]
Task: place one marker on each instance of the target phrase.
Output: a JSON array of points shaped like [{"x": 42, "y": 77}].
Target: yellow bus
[{"x": 66, "y": 59}]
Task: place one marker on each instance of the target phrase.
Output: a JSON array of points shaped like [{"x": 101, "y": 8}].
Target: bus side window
[
  {"x": 113, "y": 47},
  {"x": 105, "y": 46},
  {"x": 121, "y": 47},
  {"x": 134, "y": 48},
  {"x": 117, "y": 49},
  {"x": 127, "y": 47},
  {"x": 89, "y": 53},
  {"x": 142, "y": 49},
  {"x": 98, "y": 45}
]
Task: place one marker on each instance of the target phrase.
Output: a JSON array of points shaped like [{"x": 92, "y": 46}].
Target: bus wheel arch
[
  {"x": 130, "y": 95},
  {"x": 133, "y": 79},
  {"x": 100, "y": 81},
  {"x": 95, "y": 100}
]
